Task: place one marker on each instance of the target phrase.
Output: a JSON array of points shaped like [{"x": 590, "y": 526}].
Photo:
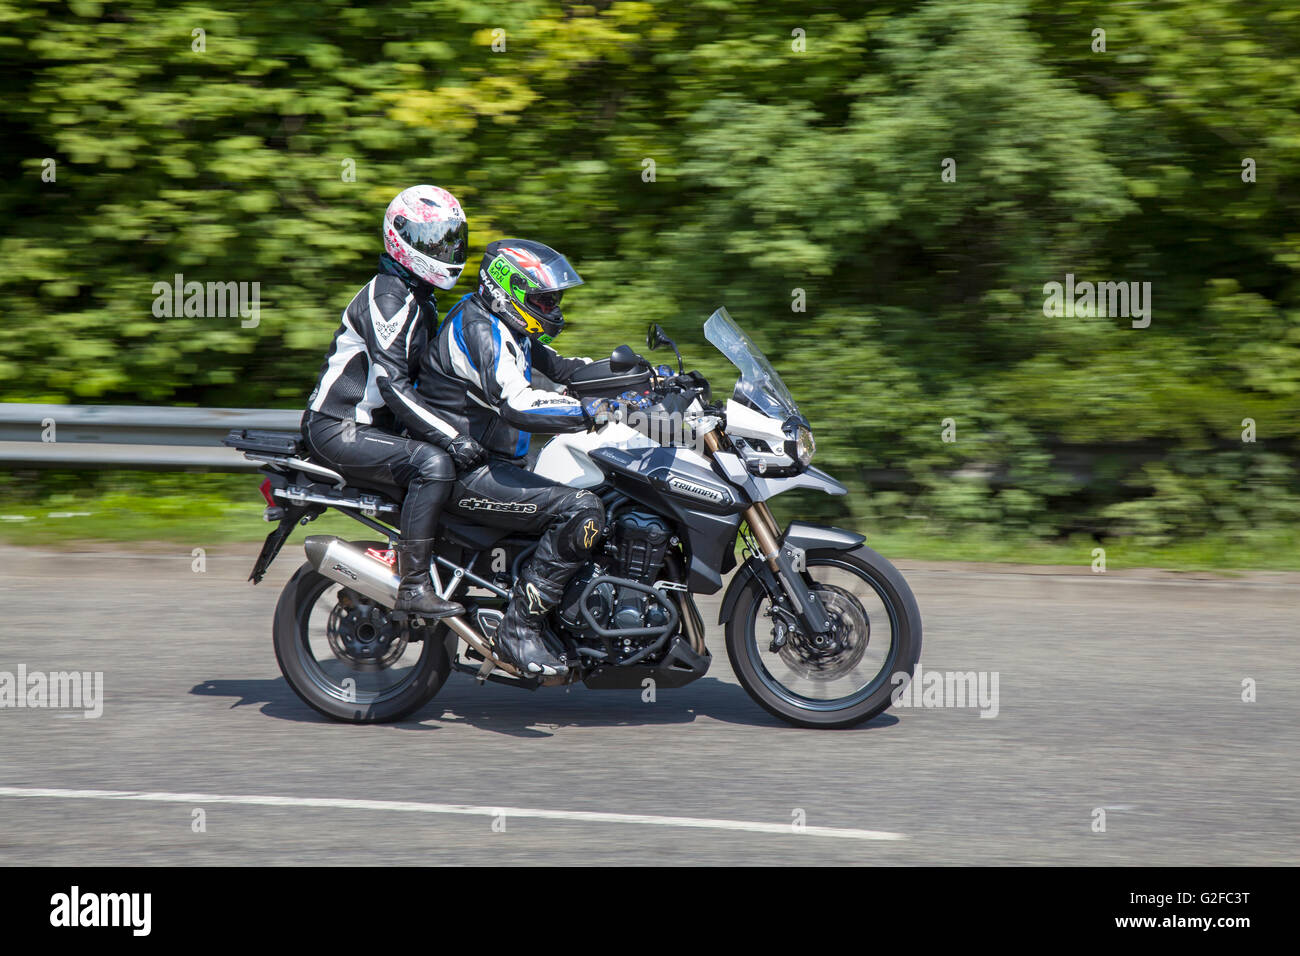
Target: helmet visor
[
  {"x": 446, "y": 241},
  {"x": 544, "y": 303}
]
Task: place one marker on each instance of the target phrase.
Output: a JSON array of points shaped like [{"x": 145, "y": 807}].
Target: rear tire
[
  {"x": 743, "y": 635},
  {"x": 298, "y": 663}
]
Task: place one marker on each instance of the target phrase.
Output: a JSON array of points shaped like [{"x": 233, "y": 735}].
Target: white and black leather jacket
[{"x": 370, "y": 372}]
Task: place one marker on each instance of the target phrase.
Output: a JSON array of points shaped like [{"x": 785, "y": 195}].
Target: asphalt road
[{"x": 1115, "y": 692}]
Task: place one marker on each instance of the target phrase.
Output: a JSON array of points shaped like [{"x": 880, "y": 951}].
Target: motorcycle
[{"x": 819, "y": 628}]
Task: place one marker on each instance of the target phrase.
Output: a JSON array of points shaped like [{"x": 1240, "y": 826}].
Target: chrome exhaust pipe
[{"x": 352, "y": 567}]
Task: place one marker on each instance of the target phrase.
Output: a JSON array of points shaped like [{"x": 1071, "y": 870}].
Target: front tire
[
  {"x": 320, "y": 678},
  {"x": 883, "y": 599}
]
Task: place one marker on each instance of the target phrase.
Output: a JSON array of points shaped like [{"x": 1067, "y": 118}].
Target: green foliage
[{"x": 774, "y": 170}]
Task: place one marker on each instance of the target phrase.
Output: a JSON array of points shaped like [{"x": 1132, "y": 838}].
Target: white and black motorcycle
[{"x": 819, "y": 628}]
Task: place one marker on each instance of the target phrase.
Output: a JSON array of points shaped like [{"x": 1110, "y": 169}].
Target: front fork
[{"x": 784, "y": 564}]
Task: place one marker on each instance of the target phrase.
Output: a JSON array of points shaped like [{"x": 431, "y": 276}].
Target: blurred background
[{"x": 786, "y": 161}]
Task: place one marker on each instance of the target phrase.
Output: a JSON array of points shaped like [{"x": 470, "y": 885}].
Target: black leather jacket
[{"x": 477, "y": 374}]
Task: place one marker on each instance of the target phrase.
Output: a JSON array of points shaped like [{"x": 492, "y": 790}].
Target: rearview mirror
[{"x": 656, "y": 337}]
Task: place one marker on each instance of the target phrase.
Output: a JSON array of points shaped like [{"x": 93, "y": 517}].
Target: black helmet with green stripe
[{"x": 521, "y": 282}]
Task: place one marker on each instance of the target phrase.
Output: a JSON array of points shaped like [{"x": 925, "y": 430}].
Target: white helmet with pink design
[{"x": 426, "y": 232}]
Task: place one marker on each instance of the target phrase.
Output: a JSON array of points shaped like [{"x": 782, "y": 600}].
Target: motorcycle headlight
[{"x": 804, "y": 446}]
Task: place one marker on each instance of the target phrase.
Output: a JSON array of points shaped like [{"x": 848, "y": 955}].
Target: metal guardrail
[
  {"x": 165, "y": 438},
  {"x": 159, "y": 438}
]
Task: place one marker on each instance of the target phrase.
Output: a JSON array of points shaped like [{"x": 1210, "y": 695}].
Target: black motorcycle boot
[
  {"x": 520, "y": 639},
  {"x": 416, "y": 595}
]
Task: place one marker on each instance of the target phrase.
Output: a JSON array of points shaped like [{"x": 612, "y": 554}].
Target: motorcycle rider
[
  {"x": 366, "y": 392},
  {"x": 478, "y": 376}
]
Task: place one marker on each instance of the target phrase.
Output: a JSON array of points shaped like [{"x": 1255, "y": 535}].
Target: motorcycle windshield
[{"x": 759, "y": 385}]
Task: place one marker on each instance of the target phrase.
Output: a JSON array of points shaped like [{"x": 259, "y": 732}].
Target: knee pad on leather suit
[
  {"x": 567, "y": 543},
  {"x": 579, "y": 534}
]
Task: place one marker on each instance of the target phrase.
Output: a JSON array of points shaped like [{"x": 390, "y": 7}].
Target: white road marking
[{"x": 333, "y": 803}]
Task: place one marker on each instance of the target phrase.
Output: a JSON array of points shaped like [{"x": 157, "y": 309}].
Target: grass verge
[{"x": 205, "y": 510}]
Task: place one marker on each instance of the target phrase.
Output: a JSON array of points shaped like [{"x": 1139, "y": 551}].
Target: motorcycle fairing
[{"x": 705, "y": 508}]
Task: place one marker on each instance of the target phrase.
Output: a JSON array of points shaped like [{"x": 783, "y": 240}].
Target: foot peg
[{"x": 413, "y": 618}]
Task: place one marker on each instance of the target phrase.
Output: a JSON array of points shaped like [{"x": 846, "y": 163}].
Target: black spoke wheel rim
[
  {"x": 757, "y": 639},
  {"x": 356, "y": 643}
]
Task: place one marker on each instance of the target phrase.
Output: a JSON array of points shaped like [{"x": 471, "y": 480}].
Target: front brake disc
[{"x": 851, "y": 629}]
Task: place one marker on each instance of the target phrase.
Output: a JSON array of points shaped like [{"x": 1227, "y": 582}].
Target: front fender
[
  {"x": 761, "y": 489},
  {"x": 800, "y": 534},
  {"x": 738, "y": 582}
]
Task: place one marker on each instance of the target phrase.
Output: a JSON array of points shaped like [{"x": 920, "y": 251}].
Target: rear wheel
[
  {"x": 345, "y": 658},
  {"x": 841, "y": 678}
]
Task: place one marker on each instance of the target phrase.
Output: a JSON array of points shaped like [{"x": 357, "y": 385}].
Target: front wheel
[
  {"x": 344, "y": 656},
  {"x": 846, "y": 676}
]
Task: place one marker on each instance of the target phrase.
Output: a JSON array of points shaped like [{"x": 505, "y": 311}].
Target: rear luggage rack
[
  {"x": 283, "y": 449},
  {"x": 310, "y": 467},
  {"x": 369, "y": 505},
  {"x": 262, "y": 440}
]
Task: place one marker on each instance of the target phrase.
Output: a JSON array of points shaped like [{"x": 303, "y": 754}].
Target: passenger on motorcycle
[{"x": 366, "y": 395}]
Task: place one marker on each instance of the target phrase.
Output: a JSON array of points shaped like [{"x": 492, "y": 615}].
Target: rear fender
[{"x": 276, "y": 539}]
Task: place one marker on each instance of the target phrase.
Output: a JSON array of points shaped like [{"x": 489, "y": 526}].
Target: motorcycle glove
[
  {"x": 465, "y": 452},
  {"x": 598, "y": 411}
]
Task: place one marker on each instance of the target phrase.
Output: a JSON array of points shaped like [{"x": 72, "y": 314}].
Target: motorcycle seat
[{"x": 283, "y": 444}]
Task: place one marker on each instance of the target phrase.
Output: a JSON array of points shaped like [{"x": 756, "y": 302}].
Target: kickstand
[{"x": 487, "y": 667}]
